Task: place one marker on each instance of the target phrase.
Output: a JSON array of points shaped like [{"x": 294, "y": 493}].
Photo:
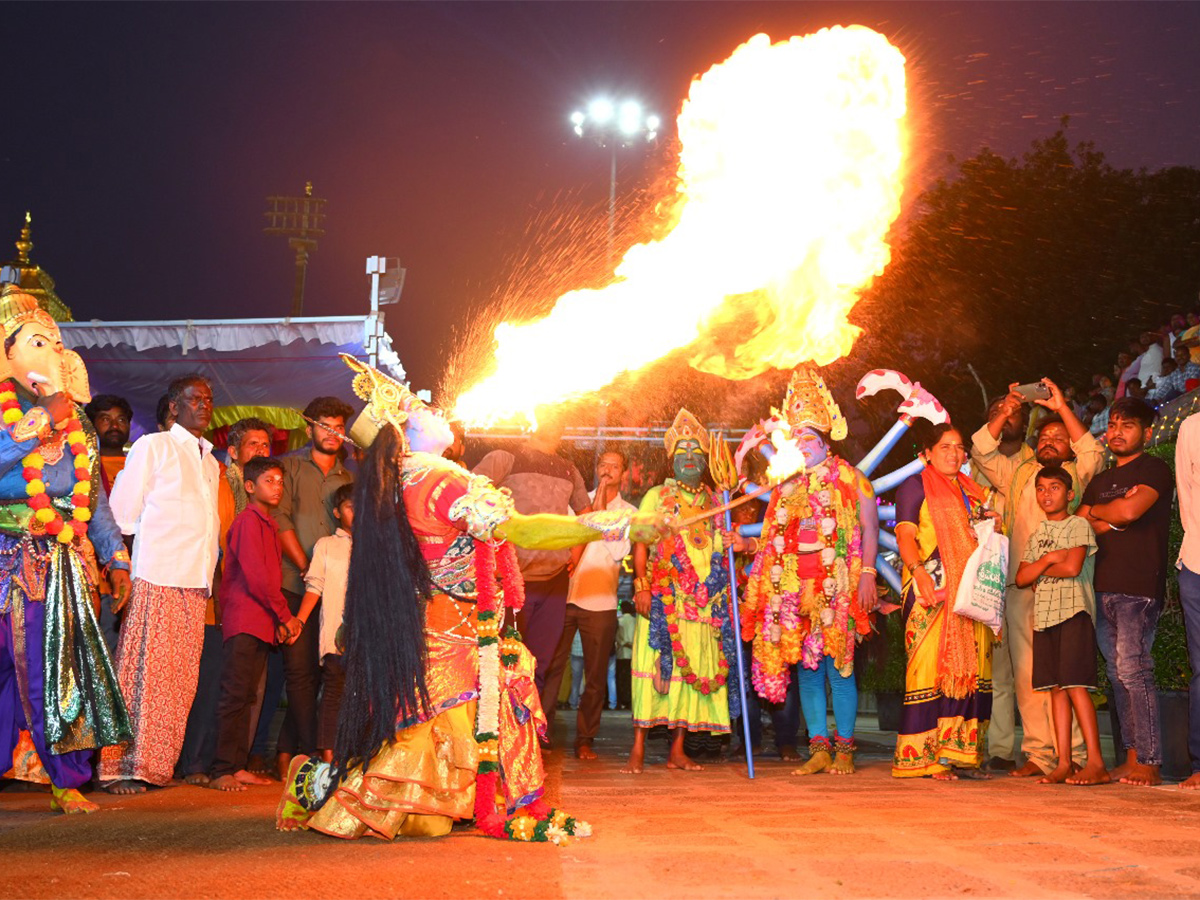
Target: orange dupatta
[{"x": 947, "y": 498}]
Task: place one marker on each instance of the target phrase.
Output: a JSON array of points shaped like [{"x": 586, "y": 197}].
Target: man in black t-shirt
[{"x": 1129, "y": 506}]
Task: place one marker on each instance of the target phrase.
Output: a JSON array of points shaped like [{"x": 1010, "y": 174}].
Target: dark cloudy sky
[{"x": 145, "y": 137}]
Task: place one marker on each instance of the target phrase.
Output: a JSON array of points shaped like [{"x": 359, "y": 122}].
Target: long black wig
[{"x": 384, "y": 619}]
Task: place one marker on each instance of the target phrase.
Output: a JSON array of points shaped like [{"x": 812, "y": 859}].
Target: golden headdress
[
  {"x": 19, "y": 308},
  {"x": 686, "y": 427},
  {"x": 809, "y": 404},
  {"x": 388, "y": 402}
]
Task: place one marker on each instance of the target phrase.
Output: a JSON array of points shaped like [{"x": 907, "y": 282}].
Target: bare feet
[
  {"x": 789, "y": 754},
  {"x": 1192, "y": 784},
  {"x": 1000, "y": 764},
  {"x": 1119, "y": 773},
  {"x": 974, "y": 774},
  {"x": 1028, "y": 770},
  {"x": 681, "y": 761},
  {"x": 1060, "y": 774},
  {"x": 127, "y": 786},
  {"x": 948, "y": 775},
  {"x": 258, "y": 766},
  {"x": 585, "y": 751},
  {"x": 226, "y": 783},
  {"x": 200, "y": 779},
  {"x": 636, "y": 757},
  {"x": 1090, "y": 775},
  {"x": 283, "y": 762},
  {"x": 843, "y": 764},
  {"x": 70, "y": 802},
  {"x": 1145, "y": 776},
  {"x": 820, "y": 761},
  {"x": 247, "y": 777}
]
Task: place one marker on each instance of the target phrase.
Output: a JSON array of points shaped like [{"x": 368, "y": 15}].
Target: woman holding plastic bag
[{"x": 948, "y": 686}]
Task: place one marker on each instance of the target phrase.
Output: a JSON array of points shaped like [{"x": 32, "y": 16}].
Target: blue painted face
[
  {"x": 812, "y": 446},
  {"x": 689, "y": 462},
  {"x": 428, "y": 432}
]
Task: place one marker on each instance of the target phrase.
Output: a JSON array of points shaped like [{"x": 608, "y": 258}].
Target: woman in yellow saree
[{"x": 948, "y": 686}]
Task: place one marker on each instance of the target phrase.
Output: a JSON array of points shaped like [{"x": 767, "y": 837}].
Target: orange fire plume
[{"x": 790, "y": 176}]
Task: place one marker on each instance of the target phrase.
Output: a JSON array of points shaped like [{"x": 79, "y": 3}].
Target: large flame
[{"x": 790, "y": 176}]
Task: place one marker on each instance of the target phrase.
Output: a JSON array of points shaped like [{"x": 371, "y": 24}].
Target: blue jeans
[
  {"x": 844, "y": 690},
  {"x": 1189, "y": 597},
  {"x": 1125, "y": 632}
]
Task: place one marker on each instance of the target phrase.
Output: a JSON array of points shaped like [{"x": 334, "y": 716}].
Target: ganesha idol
[{"x": 59, "y": 698}]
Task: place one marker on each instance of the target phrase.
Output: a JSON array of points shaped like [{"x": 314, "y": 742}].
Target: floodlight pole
[{"x": 298, "y": 219}]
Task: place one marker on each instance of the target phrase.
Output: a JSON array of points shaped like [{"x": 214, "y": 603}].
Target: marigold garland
[
  {"x": 538, "y": 821},
  {"x": 33, "y": 470}
]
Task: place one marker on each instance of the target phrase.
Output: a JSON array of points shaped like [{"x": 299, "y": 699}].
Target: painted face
[
  {"x": 36, "y": 357},
  {"x": 689, "y": 462},
  {"x": 812, "y": 446},
  {"x": 1052, "y": 495},
  {"x": 948, "y": 454},
  {"x": 254, "y": 443},
  {"x": 428, "y": 431}
]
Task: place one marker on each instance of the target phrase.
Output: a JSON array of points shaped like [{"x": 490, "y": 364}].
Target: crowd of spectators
[{"x": 1159, "y": 366}]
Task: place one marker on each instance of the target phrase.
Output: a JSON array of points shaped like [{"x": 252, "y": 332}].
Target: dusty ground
[{"x": 666, "y": 834}]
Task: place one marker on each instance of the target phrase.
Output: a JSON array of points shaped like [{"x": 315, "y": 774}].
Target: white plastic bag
[{"x": 981, "y": 592}]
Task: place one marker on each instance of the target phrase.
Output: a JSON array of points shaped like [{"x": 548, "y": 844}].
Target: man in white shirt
[
  {"x": 167, "y": 497},
  {"x": 592, "y": 611},
  {"x": 1187, "y": 483}
]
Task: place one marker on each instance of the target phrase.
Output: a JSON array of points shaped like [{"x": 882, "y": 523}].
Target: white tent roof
[{"x": 249, "y": 362}]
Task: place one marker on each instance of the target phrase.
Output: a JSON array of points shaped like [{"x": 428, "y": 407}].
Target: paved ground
[{"x": 665, "y": 834}]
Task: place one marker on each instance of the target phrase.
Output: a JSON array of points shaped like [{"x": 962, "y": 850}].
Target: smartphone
[{"x": 1034, "y": 391}]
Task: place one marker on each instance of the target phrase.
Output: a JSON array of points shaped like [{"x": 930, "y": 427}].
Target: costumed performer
[
  {"x": 59, "y": 698},
  {"x": 440, "y": 716},
  {"x": 683, "y": 640},
  {"x": 948, "y": 677},
  {"x": 810, "y": 598}
]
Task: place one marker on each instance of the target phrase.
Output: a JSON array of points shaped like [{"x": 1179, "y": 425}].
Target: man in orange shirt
[{"x": 110, "y": 416}]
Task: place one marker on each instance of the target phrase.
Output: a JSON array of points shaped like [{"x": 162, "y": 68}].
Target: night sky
[{"x": 144, "y": 138}]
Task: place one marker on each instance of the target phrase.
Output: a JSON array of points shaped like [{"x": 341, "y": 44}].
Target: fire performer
[
  {"x": 683, "y": 644},
  {"x": 440, "y": 716},
  {"x": 59, "y": 698},
  {"x": 810, "y": 598}
]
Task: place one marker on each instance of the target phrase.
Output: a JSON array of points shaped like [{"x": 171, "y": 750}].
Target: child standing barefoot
[{"x": 1058, "y": 562}]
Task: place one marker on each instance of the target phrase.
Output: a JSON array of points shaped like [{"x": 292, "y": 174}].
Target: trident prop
[{"x": 720, "y": 465}]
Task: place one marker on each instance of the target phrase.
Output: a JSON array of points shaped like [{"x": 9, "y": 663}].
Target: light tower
[
  {"x": 299, "y": 219},
  {"x": 615, "y": 125}
]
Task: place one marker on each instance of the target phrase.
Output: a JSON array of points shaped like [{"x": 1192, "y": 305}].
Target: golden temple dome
[{"x": 33, "y": 278}]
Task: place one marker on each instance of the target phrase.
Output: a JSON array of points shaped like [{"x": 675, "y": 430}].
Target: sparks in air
[{"x": 790, "y": 175}]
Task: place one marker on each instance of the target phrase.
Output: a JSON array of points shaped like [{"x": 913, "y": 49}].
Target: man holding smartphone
[{"x": 1061, "y": 440}]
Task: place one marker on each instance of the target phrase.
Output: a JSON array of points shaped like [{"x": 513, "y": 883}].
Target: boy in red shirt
[{"x": 254, "y": 614}]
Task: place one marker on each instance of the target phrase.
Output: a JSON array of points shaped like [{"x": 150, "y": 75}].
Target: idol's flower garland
[
  {"x": 674, "y": 583},
  {"x": 794, "y": 619},
  {"x": 537, "y": 821},
  {"x": 33, "y": 471}
]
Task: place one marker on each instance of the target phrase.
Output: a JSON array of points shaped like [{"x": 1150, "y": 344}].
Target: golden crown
[
  {"x": 388, "y": 402},
  {"x": 18, "y": 308},
  {"x": 686, "y": 427},
  {"x": 809, "y": 404}
]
